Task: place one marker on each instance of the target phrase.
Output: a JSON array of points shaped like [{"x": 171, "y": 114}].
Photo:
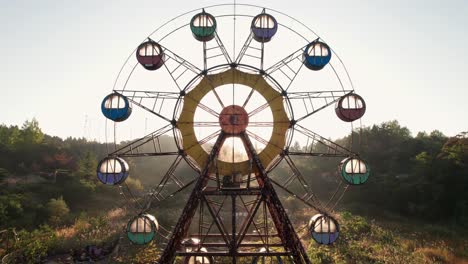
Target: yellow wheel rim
[{"x": 192, "y": 99}]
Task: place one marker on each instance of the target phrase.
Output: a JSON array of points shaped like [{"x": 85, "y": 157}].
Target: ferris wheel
[{"x": 224, "y": 84}]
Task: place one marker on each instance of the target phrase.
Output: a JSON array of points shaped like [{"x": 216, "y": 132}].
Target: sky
[{"x": 408, "y": 59}]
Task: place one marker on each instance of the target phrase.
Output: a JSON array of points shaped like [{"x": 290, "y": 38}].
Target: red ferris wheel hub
[{"x": 233, "y": 119}]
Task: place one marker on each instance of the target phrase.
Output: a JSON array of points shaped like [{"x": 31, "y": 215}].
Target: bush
[
  {"x": 57, "y": 210},
  {"x": 10, "y": 209},
  {"x": 31, "y": 247},
  {"x": 134, "y": 184}
]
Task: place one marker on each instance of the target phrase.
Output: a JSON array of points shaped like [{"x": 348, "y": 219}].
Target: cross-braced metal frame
[{"x": 233, "y": 222}]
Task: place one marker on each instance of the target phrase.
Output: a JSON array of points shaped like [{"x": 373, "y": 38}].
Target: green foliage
[
  {"x": 31, "y": 246},
  {"x": 87, "y": 166},
  {"x": 421, "y": 177},
  {"x": 148, "y": 254},
  {"x": 57, "y": 210},
  {"x": 10, "y": 209},
  {"x": 31, "y": 133},
  {"x": 362, "y": 241},
  {"x": 92, "y": 230}
]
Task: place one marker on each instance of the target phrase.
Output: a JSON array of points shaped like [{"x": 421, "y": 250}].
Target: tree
[
  {"x": 31, "y": 133},
  {"x": 87, "y": 169},
  {"x": 57, "y": 210}
]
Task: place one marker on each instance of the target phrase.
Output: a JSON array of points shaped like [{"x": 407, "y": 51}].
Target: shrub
[
  {"x": 30, "y": 247},
  {"x": 57, "y": 210}
]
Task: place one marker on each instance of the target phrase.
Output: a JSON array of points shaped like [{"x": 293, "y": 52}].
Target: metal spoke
[
  {"x": 261, "y": 139},
  {"x": 204, "y": 107},
  {"x": 218, "y": 97},
  {"x": 205, "y": 139},
  {"x": 216, "y": 124},
  {"x": 264, "y": 124},
  {"x": 140, "y": 95},
  {"x": 315, "y": 101},
  {"x": 202, "y": 123},
  {"x": 135, "y": 148},
  {"x": 180, "y": 70},
  {"x": 295, "y": 196},
  {"x": 297, "y": 175},
  {"x": 259, "y": 109},
  {"x": 149, "y": 109},
  {"x": 248, "y": 98},
  {"x": 157, "y": 193},
  {"x": 315, "y": 142},
  {"x": 286, "y": 70}
]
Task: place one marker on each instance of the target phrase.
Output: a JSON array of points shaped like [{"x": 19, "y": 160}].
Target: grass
[{"x": 364, "y": 241}]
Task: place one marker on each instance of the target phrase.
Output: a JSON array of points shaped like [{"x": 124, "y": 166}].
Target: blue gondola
[
  {"x": 150, "y": 55},
  {"x": 112, "y": 171},
  {"x": 203, "y": 26},
  {"x": 324, "y": 229},
  {"x": 142, "y": 229},
  {"x": 264, "y": 27},
  {"x": 354, "y": 171},
  {"x": 116, "y": 107},
  {"x": 316, "y": 55}
]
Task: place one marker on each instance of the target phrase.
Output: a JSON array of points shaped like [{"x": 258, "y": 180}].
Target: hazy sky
[{"x": 408, "y": 59}]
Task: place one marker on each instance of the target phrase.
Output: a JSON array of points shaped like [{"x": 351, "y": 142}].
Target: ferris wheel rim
[
  {"x": 313, "y": 32},
  {"x": 264, "y": 75}
]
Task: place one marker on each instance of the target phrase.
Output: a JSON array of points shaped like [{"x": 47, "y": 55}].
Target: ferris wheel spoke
[
  {"x": 252, "y": 49},
  {"x": 205, "y": 139},
  {"x": 218, "y": 98},
  {"x": 261, "y": 139},
  {"x": 149, "y": 145},
  {"x": 308, "y": 203},
  {"x": 286, "y": 70},
  {"x": 259, "y": 109},
  {"x": 152, "y": 101},
  {"x": 202, "y": 124},
  {"x": 319, "y": 146},
  {"x": 180, "y": 69},
  {"x": 217, "y": 49},
  {"x": 204, "y": 107},
  {"x": 151, "y": 109},
  {"x": 316, "y": 101},
  {"x": 139, "y": 96},
  {"x": 308, "y": 194},
  {"x": 263, "y": 124},
  {"x": 252, "y": 90},
  {"x": 170, "y": 179}
]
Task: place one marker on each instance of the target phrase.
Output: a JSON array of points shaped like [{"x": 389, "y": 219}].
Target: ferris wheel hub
[{"x": 233, "y": 119}]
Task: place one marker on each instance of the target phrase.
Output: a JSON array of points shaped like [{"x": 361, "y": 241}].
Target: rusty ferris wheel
[{"x": 233, "y": 117}]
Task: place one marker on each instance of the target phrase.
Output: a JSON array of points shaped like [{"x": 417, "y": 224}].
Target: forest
[{"x": 413, "y": 209}]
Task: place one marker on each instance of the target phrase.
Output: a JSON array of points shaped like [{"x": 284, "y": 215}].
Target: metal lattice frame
[{"x": 263, "y": 210}]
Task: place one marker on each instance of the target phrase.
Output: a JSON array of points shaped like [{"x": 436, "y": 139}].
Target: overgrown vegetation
[
  {"x": 413, "y": 209},
  {"x": 364, "y": 241}
]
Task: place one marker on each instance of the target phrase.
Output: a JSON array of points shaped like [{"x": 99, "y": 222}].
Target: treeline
[
  {"x": 45, "y": 180},
  {"x": 424, "y": 176},
  {"x": 49, "y": 180}
]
